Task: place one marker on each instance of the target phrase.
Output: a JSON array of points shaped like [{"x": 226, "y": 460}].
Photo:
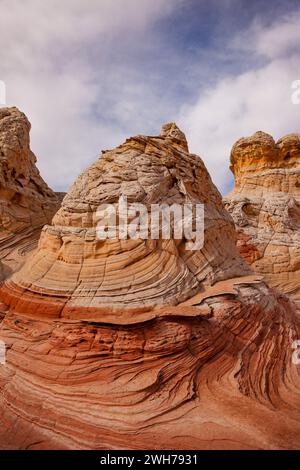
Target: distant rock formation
[
  {"x": 142, "y": 343},
  {"x": 265, "y": 206},
  {"x": 26, "y": 202}
]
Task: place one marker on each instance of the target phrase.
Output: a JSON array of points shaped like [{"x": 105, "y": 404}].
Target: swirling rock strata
[
  {"x": 73, "y": 270},
  {"x": 143, "y": 344},
  {"x": 26, "y": 202},
  {"x": 265, "y": 206}
]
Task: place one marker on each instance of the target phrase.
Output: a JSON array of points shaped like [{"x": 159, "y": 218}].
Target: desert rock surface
[{"x": 136, "y": 344}]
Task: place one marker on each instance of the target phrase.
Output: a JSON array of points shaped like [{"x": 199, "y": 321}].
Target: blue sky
[{"x": 88, "y": 74}]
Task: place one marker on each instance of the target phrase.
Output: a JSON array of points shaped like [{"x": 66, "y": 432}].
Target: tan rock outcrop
[
  {"x": 26, "y": 202},
  {"x": 74, "y": 269},
  {"x": 141, "y": 343},
  {"x": 265, "y": 206}
]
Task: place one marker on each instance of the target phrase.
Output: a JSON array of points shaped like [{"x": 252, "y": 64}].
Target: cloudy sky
[{"x": 89, "y": 73}]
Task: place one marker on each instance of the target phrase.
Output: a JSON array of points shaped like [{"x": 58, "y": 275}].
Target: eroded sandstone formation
[
  {"x": 26, "y": 202},
  {"x": 82, "y": 271},
  {"x": 265, "y": 206},
  {"x": 142, "y": 343}
]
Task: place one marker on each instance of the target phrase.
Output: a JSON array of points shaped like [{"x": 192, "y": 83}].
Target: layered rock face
[
  {"x": 74, "y": 270},
  {"x": 142, "y": 343},
  {"x": 26, "y": 202},
  {"x": 265, "y": 206}
]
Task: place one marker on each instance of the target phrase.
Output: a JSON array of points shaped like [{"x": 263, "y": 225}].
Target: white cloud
[
  {"x": 88, "y": 74},
  {"x": 277, "y": 40},
  {"x": 68, "y": 66},
  {"x": 259, "y": 99}
]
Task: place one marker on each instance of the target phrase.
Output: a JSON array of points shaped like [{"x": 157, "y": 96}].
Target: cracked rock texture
[
  {"x": 265, "y": 206},
  {"x": 26, "y": 202},
  {"x": 137, "y": 344}
]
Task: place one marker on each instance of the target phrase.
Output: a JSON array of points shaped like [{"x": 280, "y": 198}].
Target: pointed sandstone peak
[
  {"x": 171, "y": 131},
  {"x": 26, "y": 201},
  {"x": 19, "y": 177}
]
